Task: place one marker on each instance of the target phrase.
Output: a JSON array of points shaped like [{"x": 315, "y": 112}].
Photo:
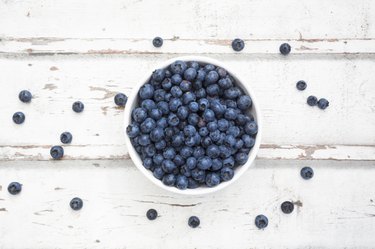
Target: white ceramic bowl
[{"x": 132, "y": 102}]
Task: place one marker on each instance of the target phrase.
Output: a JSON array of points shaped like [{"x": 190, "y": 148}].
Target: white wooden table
[{"x": 63, "y": 51}]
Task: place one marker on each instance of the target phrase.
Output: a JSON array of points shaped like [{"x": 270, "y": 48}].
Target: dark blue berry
[
  {"x": 182, "y": 112},
  {"x": 217, "y": 164},
  {"x": 190, "y": 74},
  {"x": 66, "y": 137},
  {"x": 287, "y": 207},
  {"x": 213, "y": 151},
  {"x": 169, "y": 179},
  {"x": 251, "y": 128},
  {"x": 301, "y": 85},
  {"x": 248, "y": 141},
  {"x": 14, "y": 188},
  {"x": 230, "y": 114},
  {"x": 208, "y": 115},
  {"x": 176, "y": 91},
  {"x": 25, "y": 96},
  {"x": 213, "y": 90},
  {"x": 158, "y": 173},
  {"x": 285, "y": 48},
  {"x": 312, "y": 101},
  {"x": 18, "y": 117},
  {"x": 120, "y": 99},
  {"x": 241, "y": 158},
  {"x": 144, "y": 140},
  {"x": 176, "y": 79},
  {"x": 162, "y": 123},
  {"x": 261, "y": 221},
  {"x": 151, "y": 214},
  {"x": 167, "y": 84},
  {"x": 185, "y": 86},
  {"x": 238, "y": 44},
  {"x": 211, "y": 77},
  {"x": 226, "y": 174},
  {"x": 147, "y": 163},
  {"x": 76, "y": 203},
  {"x": 191, "y": 162},
  {"x": 57, "y": 152},
  {"x": 244, "y": 102},
  {"x": 132, "y": 130},
  {"x": 188, "y": 97},
  {"x": 157, "y": 159},
  {"x": 160, "y": 145},
  {"x": 228, "y": 162},
  {"x": 194, "y": 222},
  {"x": 173, "y": 120},
  {"x": 225, "y": 83},
  {"x": 204, "y": 163},
  {"x": 159, "y": 95},
  {"x": 157, "y": 42},
  {"x": 201, "y": 75},
  {"x": 200, "y": 93},
  {"x": 192, "y": 184},
  {"x": 198, "y": 175},
  {"x": 323, "y": 103},
  {"x": 212, "y": 180},
  {"x": 169, "y": 153},
  {"x": 148, "y": 104},
  {"x": 193, "y": 106},
  {"x": 163, "y": 107},
  {"x": 139, "y": 114},
  {"x": 168, "y": 166},
  {"x": 148, "y": 125},
  {"x": 178, "y": 67},
  {"x": 174, "y": 104},
  {"x": 146, "y": 91},
  {"x": 193, "y": 119},
  {"x": 179, "y": 160},
  {"x": 181, "y": 182},
  {"x": 307, "y": 173}
]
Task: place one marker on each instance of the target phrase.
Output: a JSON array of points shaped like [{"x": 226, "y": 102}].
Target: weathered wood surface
[
  {"x": 63, "y": 51},
  {"x": 335, "y": 209}
]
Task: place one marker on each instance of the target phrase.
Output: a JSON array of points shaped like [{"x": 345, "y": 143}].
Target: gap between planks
[{"x": 104, "y": 46}]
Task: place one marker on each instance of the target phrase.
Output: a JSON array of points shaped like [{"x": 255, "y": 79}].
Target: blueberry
[
  {"x": 287, "y": 207},
  {"x": 193, "y": 106},
  {"x": 285, "y": 48},
  {"x": 163, "y": 107},
  {"x": 204, "y": 163},
  {"x": 162, "y": 123},
  {"x": 120, "y": 99},
  {"x": 217, "y": 108},
  {"x": 148, "y": 104},
  {"x": 185, "y": 86},
  {"x": 179, "y": 160},
  {"x": 184, "y": 170},
  {"x": 242, "y": 120},
  {"x": 248, "y": 141},
  {"x": 194, "y": 222},
  {"x": 150, "y": 150},
  {"x": 230, "y": 114},
  {"x": 57, "y": 152},
  {"x": 176, "y": 91},
  {"x": 201, "y": 75},
  {"x": 234, "y": 131},
  {"x": 192, "y": 184},
  {"x": 307, "y": 173},
  {"x": 191, "y": 162},
  {"x": 188, "y": 97},
  {"x": 14, "y": 188},
  {"x": 261, "y": 221},
  {"x": 208, "y": 115},
  {"x": 323, "y": 103},
  {"x": 168, "y": 166},
  {"x": 211, "y": 77},
  {"x": 228, "y": 162},
  {"x": 76, "y": 203},
  {"x": 157, "y": 42},
  {"x": 193, "y": 119},
  {"x": 189, "y": 131},
  {"x": 158, "y": 173},
  {"x": 178, "y": 140},
  {"x": 25, "y": 96},
  {"x": 169, "y": 179},
  {"x": 66, "y": 137},
  {"x": 203, "y": 104},
  {"x": 146, "y": 91},
  {"x": 176, "y": 79},
  {"x": 215, "y": 135},
  {"x": 241, "y": 158},
  {"x": 159, "y": 95},
  {"x": 18, "y": 117},
  {"x": 198, "y": 152},
  {"x": 301, "y": 85},
  {"x": 174, "y": 104},
  {"x": 230, "y": 103},
  {"x": 157, "y": 159},
  {"x": 226, "y": 174},
  {"x": 156, "y": 114},
  {"x": 200, "y": 93},
  {"x": 160, "y": 145},
  {"x": 148, "y": 125},
  {"x": 147, "y": 162},
  {"x": 217, "y": 164},
  {"x": 213, "y": 151},
  {"x": 144, "y": 140},
  {"x": 173, "y": 120},
  {"x": 198, "y": 175},
  {"x": 312, "y": 101},
  {"x": 222, "y": 124},
  {"x": 244, "y": 102},
  {"x": 139, "y": 114},
  {"x": 132, "y": 130},
  {"x": 190, "y": 74},
  {"x": 182, "y": 112},
  {"x": 251, "y": 128},
  {"x": 169, "y": 153},
  {"x": 230, "y": 141},
  {"x": 167, "y": 84},
  {"x": 203, "y": 131},
  {"x": 178, "y": 67},
  {"x": 186, "y": 151},
  {"x": 231, "y": 93},
  {"x": 225, "y": 83},
  {"x": 213, "y": 90},
  {"x": 151, "y": 214},
  {"x": 181, "y": 182},
  {"x": 212, "y": 126},
  {"x": 78, "y": 106},
  {"x": 212, "y": 180},
  {"x": 238, "y": 44}
]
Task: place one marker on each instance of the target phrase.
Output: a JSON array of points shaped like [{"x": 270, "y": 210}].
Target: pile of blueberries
[{"x": 192, "y": 125}]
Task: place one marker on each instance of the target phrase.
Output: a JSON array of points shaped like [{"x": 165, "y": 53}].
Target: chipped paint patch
[{"x": 49, "y": 87}]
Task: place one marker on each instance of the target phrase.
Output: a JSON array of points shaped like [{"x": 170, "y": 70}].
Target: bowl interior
[{"x": 133, "y": 102}]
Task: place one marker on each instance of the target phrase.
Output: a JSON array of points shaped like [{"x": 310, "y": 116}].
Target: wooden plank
[
  {"x": 335, "y": 209},
  {"x": 289, "y": 19},
  {"x": 58, "y": 81},
  {"x": 52, "y": 46}
]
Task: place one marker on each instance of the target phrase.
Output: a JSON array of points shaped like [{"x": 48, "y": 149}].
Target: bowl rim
[{"x": 200, "y": 190}]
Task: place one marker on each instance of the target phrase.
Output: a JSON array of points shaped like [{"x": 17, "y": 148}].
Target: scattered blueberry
[
  {"x": 120, "y": 99},
  {"x": 261, "y": 221},
  {"x": 152, "y": 214},
  {"x": 312, "y": 101},
  {"x": 66, "y": 137},
  {"x": 76, "y": 203},
  {"x": 14, "y": 188},
  {"x": 18, "y": 117},
  {"x": 194, "y": 222},
  {"x": 287, "y": 207},
  {"x": 301, "y": 85},
  {"x": 78, "y": 106},
  {"x": 25, "y": 96},
  {"x": 157, "y": 42},
  {"x": 323, "y": 103},
  {"x": 285, "y": 48},
  {"x": 307, "y": 173},
  {"x": 238, "y": 44},
  {"x": 57, "y": 152}
]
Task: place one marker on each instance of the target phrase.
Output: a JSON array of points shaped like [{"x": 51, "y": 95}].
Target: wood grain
[{"x": 116, "y": 198}]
